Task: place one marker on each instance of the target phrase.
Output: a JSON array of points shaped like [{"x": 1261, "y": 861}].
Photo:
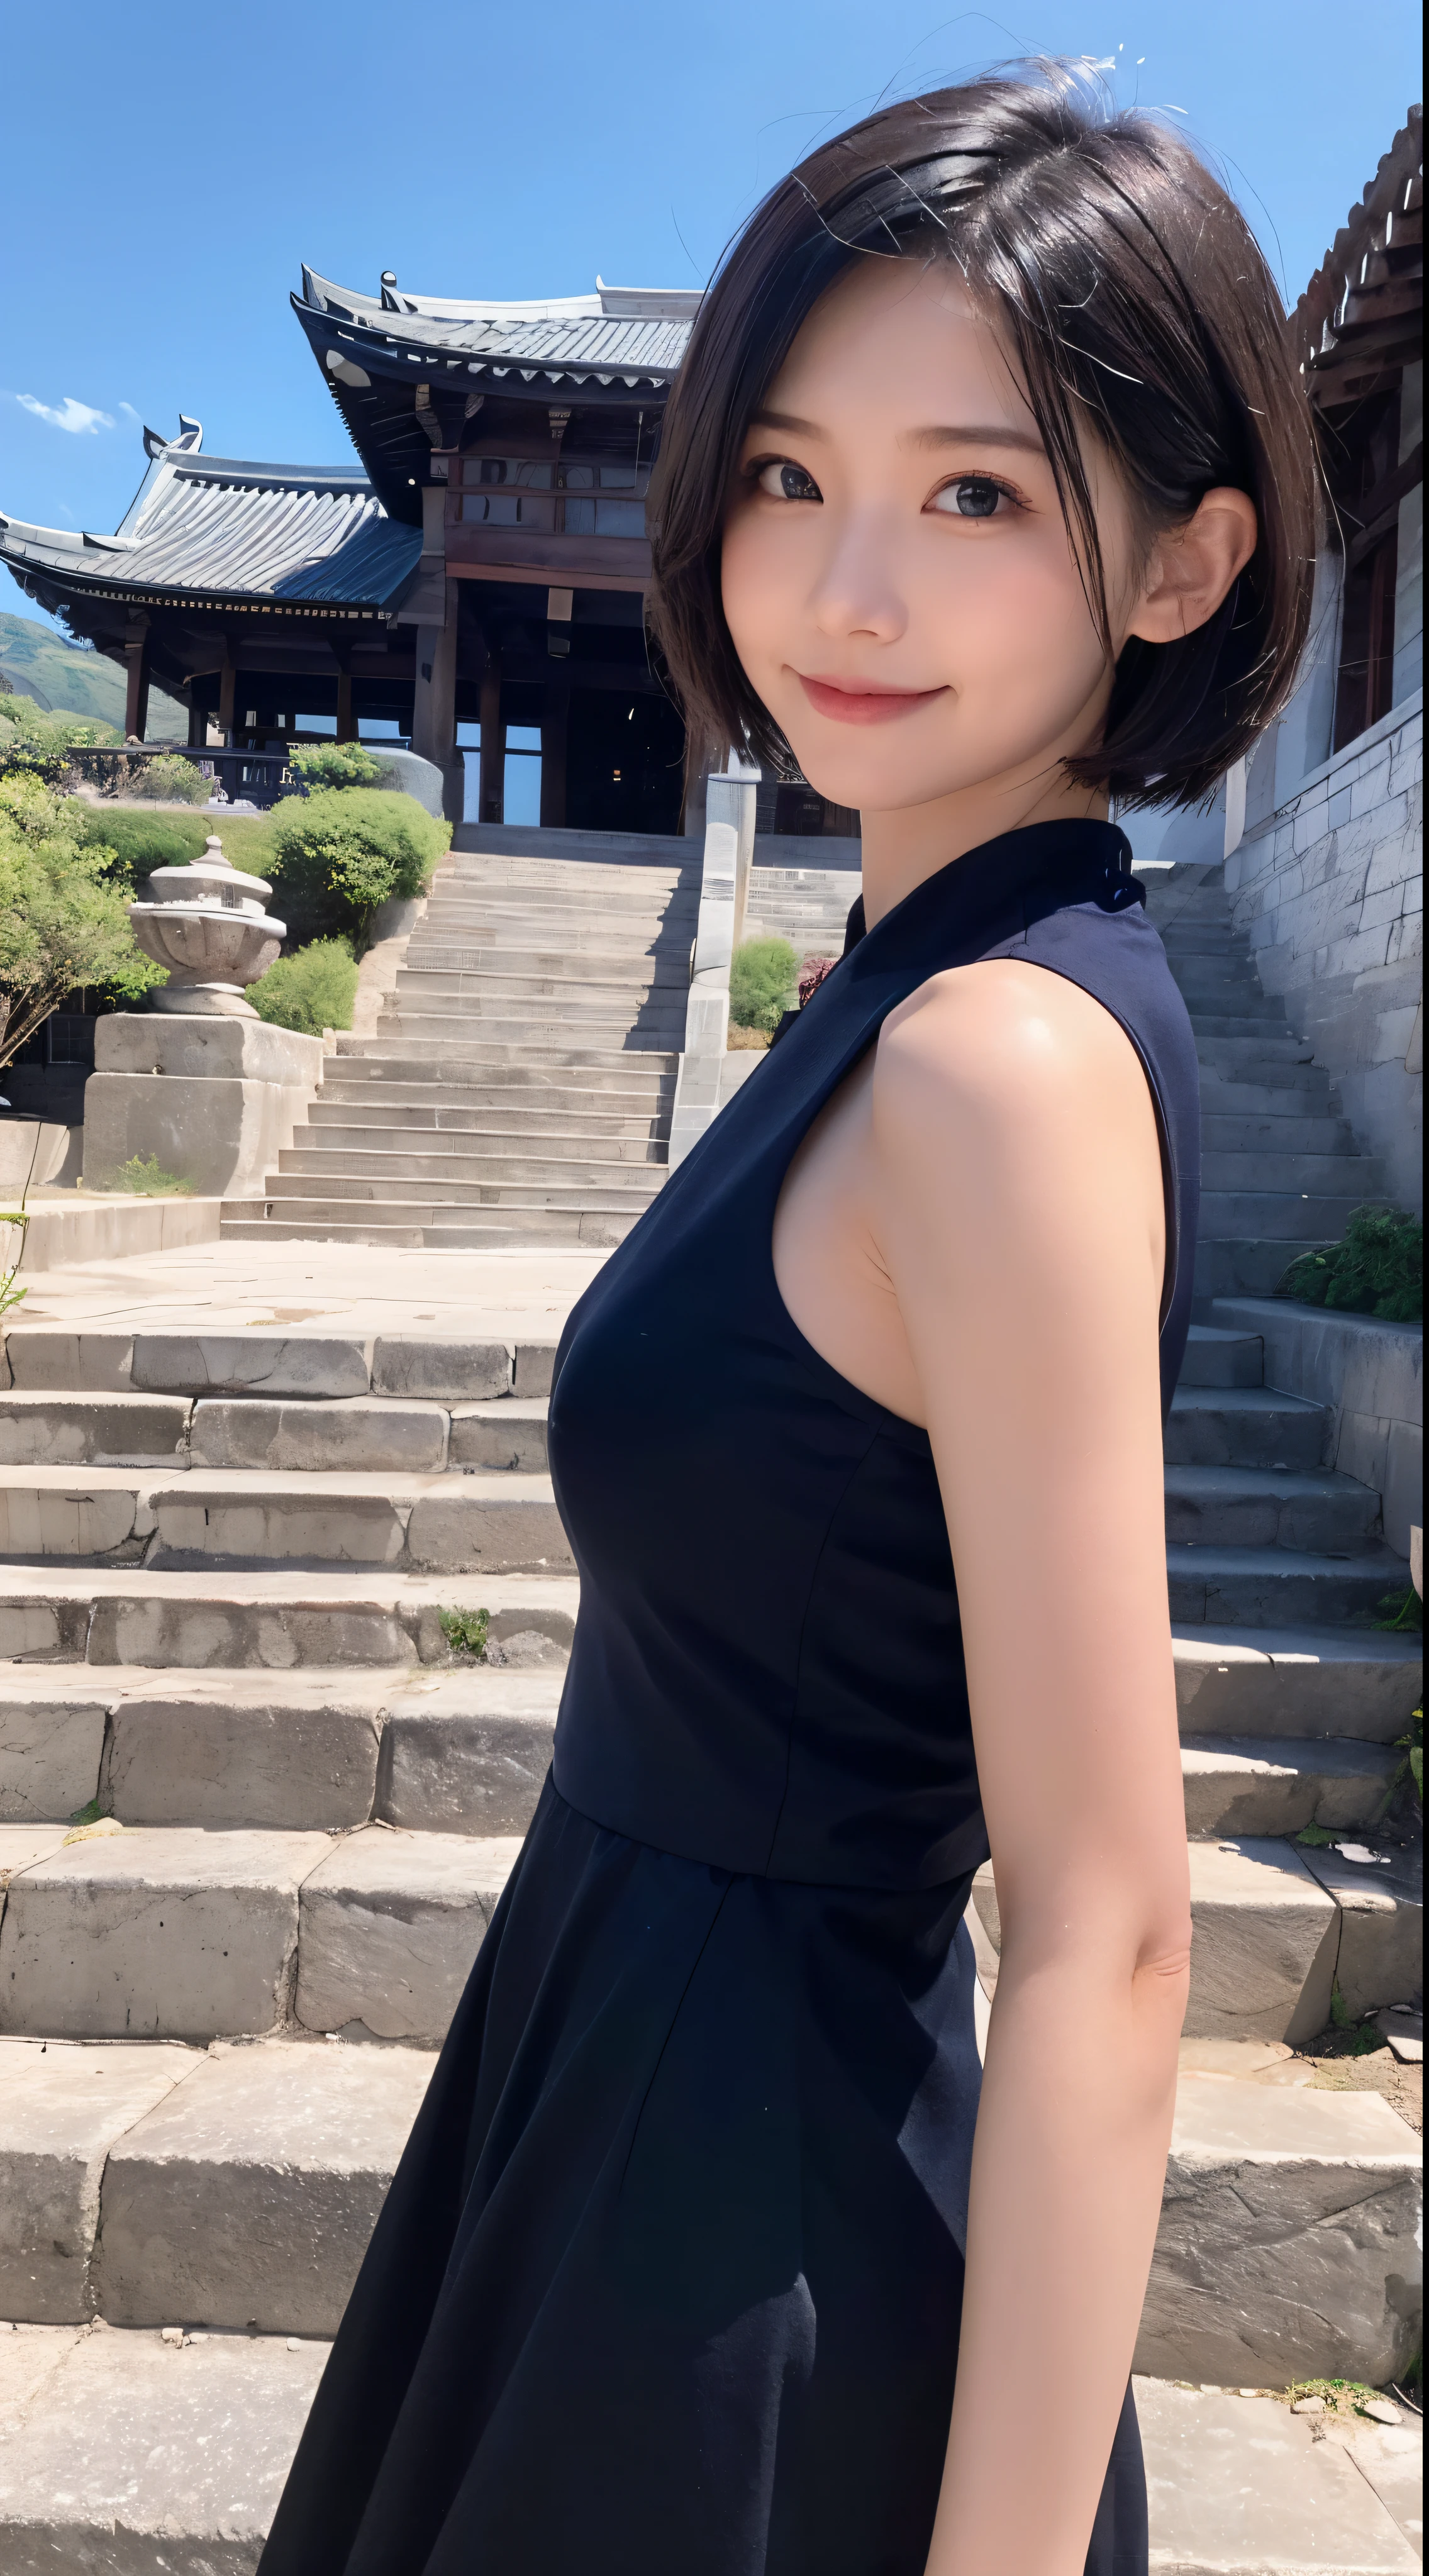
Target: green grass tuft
[{"x": 465, "y": 1630}]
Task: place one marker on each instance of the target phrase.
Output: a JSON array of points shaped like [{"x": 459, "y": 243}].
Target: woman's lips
[{"x": 858, "y": 706}]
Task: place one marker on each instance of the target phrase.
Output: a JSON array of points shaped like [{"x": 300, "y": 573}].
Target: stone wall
[{"x": 1328, "y": 884}]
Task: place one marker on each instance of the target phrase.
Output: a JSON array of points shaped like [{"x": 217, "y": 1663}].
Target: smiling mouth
[{"x": 850, "y": 704}]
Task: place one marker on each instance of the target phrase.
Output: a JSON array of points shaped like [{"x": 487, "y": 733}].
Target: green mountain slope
[{"x": 36, "y": 663}]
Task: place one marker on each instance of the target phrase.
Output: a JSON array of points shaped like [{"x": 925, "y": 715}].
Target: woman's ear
[{"x": 1191, "y": 568}]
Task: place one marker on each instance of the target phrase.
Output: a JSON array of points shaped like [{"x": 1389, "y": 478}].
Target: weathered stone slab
[
  {"x": 474, "y": 1769},
  {"x": 38, "y": 1429},
  {"x": 240, "y": 1633},
  {"x": 42, "y": 1356},
  {"x": 1297, "y": 1682},
  {"x": 405, "y": 1364},
  {"x": 1238, "y": 2486},
  {"x": 136, "y": 2456},
  {"x": 153, "y": 1934},
  {"x": 306, "y": 1364},
  {"x": 535, "y": 1363},
  {"x": 1288, "y": 2240},
  {"x": 1275, "y": 1786},
  {"x": 331, "y": 1526},
  {"x": 251, "y": 2203},
  {"x": 62, "y": 2109},
  {"x": 391, "y": 1924},
  {"x": 40, "y": 1631},
  {"x": 247, "y": 1754},
  {"x": 199, "y": 1048},
  {"x": 1263, "y": 1944},
  {"x": 357, "y": 1433},
  {"x": 22, "y": 1845},
  {"x": 509, "y": 1435},
  {"x": 1381, "y": 1952},
  {"x": 50, "y": 1752},
  {"x": 1391, "y": 2458},
  {"x": 481, "y": 1528},
  {"x": 67, "y": 1519}
]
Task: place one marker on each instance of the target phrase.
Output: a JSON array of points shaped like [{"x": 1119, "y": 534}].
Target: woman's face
[{"x": 897, "y": 574}]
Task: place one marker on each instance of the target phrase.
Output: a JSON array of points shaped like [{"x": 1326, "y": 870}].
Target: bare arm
[{"x": 1019, "y": 1214}]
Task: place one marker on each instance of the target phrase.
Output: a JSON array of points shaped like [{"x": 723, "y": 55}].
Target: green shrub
[
  {"x": 763, "y": 980},
  {"x": 64, "y": 911},
  {"x": 169, "y": 779},
  {"x": 465, "y": 1630},
  {"x": 312, "y": 990},
  {"x": 147, "y": 841},
  {"x": 335, "y": 764},
  {"x": 145, "y": 1176},
  {"x": 341, "y": 852},
  {"x": 38, "y": 740},
  {"x": 1378, "y": 1269}
]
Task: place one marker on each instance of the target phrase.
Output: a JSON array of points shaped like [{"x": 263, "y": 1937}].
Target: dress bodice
[{"x": 767, "y": 1671}]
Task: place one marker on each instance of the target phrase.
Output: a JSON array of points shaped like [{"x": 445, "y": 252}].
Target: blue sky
[{"x": 163, "y": 176}]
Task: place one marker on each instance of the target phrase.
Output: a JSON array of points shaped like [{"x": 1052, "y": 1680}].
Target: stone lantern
[
  {"x": 200, "y": 1082},
  {"x": 206, "y": 923}
]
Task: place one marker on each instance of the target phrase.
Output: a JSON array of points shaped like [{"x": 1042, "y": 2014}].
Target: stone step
[
  {"x": 280, "y": 1620},
  {"x": 566, "y": 1030},
  {"x": 470, "y": 1157},
  {"x": 305, "y": 1362},
  {"x": 1247, "y": 1265},
  {"x": 334, "y": 1120},
  {"x": 464, "y": 1748},
  {"x": 182, "y": 1932},
  {"x": 1217, "y": 1358},
  {"x": 1255, "y": 1170},
  {"x": 461, "y": 1748},
  {"x": 491, "y": 1057},
  {"x": 1297, "y": 1091},
  {"x": 1239, "y": 2486},
  {"x": 1276, "y": 1216},
  {"x": 1274, "y": 1785},
  {"x": 254, "y": 1221},
  {"x": 1251, "y": 1132},
  {"x": 183, "y": 2450},
  {"x": 1244, "y": 1426},
  {"x": 1271, "y": 1939},
  {"x": 624, "y": 1089},
  {"x": 1268, "y": 1507},
  {"x": 574, "y": 1000},
  {"x": 447, "y": 965},
  {"x": 1355, "y": 1684},
  {"x": 619, "y": 1193},
  {"x": 238, "y": 2188},
  {"x": 473, "y": 1522},
  {"x": 1280, "y": 1587}
]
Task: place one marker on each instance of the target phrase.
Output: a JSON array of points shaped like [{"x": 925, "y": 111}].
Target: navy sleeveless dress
[{"x": 668, "y": 2282}]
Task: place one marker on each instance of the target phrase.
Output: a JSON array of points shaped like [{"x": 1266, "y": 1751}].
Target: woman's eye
[
  {"x": 785, "y": 482},
  {"x": 973, "y": 496}
]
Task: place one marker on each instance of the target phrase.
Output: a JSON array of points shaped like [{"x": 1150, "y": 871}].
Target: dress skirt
[{"x": 668, "y": 2281}]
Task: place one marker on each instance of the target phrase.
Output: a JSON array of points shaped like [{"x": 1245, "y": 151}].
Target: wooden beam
[
  {"x": 541, "y": 576},
  {"x": 136, "y": 690},
  {"x": 555, "y": 719},
  {"x": 491, "y": 797},
  {"x": 346, "y": 723}
]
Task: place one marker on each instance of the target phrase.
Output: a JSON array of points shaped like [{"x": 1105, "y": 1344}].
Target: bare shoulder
[{"x": 1013, "y": 1042}]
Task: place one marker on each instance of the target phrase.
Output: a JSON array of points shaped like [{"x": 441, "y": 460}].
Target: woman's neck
[{"x": 904, "y": 845}]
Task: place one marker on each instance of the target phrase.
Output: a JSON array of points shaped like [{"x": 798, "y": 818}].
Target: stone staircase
[
  {"x": 255, "y": 1814},
  {"x": 520, "y": 1083}
]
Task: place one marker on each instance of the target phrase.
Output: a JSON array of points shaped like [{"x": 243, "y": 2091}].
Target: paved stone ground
[{"x": 230, "y": 1285}]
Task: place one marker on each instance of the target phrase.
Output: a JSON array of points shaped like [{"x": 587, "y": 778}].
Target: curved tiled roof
[
  {"x": 629, "y": 332},
  {"x": 224, "y": 527}
]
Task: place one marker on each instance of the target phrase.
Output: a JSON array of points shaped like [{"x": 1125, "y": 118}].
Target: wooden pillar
[
  {"x": 555, "y": 720},
  {"x": 492, "y": 794},
  {"x": 198, "y": 726},
  {"x": 346, "y": 723},
  {"x": 227, "y": 689},
  {"x": 434, "y": 693},
  {"x": 136, "y": 693}
]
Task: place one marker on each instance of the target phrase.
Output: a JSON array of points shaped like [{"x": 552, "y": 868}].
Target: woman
[{"x": 986, "y": 491}]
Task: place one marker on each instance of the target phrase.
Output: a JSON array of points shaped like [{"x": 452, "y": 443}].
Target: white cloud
[
  {"x": 75, "y": 416},
  {"x": 124, "y": 406}
]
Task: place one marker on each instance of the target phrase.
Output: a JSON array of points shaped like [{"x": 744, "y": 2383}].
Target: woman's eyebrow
[
  {"x": 992, "y": 434},
  {"x": 785, "y": 420}
]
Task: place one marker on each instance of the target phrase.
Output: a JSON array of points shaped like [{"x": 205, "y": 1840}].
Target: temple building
[{"x": 482, "y": 565}]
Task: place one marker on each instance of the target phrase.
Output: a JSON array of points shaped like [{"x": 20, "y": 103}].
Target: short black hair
[{"x": 1139, "y": 306}]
